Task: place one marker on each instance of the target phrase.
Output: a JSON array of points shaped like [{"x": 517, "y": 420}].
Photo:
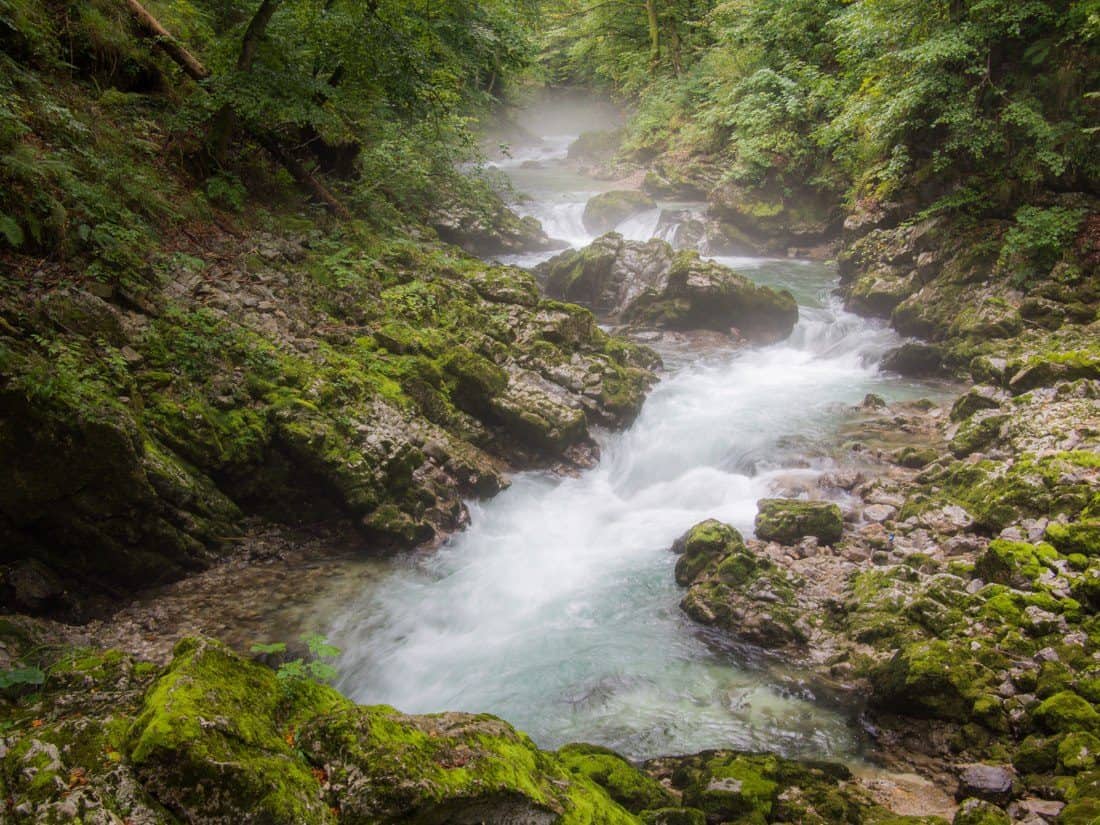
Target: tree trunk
[
  {"x": 654, "y": 35},
  {"x": 183, "y": 58},
  {"x": 225, "y": 120}
]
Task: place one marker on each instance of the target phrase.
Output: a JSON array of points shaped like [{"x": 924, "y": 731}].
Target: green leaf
[
  {"x": 21, "y": 676},
  {"x": 274, "y": 647},
  {"x": 11, "y": 231}
]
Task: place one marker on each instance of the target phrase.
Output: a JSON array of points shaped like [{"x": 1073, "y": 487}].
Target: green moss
[
  {"x": 934, "y": 678},
  {"x": 1078, "y": 751},
  {"x": 1080, "y": 812},
  {"x": 976, "y": 434},
  {"x": 384, "y": 766},
  {"x": 624, "y": 783},
  {"x": 977, "y": 812},
  {"x": 1081, "y": 537},
  {"x": 477, "y": 380},
  {"x": 1012, "y": 563},
  {"x": 674, "y": 816},
  {"x": 737, "y": 788},
  {"x": 208, "y": 741},
  {"x": 789, "y": 520},
  {"x": 1066, "y": 712},
  {"x": 703, "y": 544},
  {"x": 998, "y": 494}
]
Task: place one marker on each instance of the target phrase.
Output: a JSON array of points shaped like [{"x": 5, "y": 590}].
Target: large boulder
[
  {"x": 732, "y": 587},
  {"x": 216, "y": 738},
  {"x": 651, "y": 285},
  {"x": 607, "y": 210},
  {"x": 788, "y": 521}
]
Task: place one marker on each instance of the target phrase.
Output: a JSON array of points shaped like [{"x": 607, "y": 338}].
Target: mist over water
[{"x": 557, "y": 608}]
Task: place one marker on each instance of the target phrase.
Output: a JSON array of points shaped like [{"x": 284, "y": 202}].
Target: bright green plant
[{"x": 318, "y": 668}]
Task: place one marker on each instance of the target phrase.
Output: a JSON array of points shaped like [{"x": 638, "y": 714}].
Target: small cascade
[{"x": 557, "y": 608}]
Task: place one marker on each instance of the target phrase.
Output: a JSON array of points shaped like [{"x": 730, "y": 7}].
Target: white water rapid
[{"x": 557, "y": 608}]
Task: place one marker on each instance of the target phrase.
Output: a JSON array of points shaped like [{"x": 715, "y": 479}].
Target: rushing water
[{"x": 557, "y": 608}]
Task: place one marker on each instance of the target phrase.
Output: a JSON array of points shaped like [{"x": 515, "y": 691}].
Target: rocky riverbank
[
  {"x": 232, "y": 424},
  {"x": 279, "y": 375}
]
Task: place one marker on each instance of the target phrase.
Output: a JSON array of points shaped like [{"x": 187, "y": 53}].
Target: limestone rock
[
  {"x": 991, "y": 783},
  {"x": 789, "y": 520},
  {"x": 650, "y": 285}
]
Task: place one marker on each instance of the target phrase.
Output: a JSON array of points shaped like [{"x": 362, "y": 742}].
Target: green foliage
[
  {"x": 318, "y": 668},
  {"x": 1039, "y": 238},
  {"x": 981, "y": 104},
  {"x": 21, "y": 677},
  {"x": 227, "y": 191}
]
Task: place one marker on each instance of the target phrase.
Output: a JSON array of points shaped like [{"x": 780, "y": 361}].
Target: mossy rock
[
  {"x": 1067, "y": 712},
  {"x": 1078, "y": 751},
  {"x": 758, "y": 788},
  {"x": 1076, "y": 537},
  {"x": 1014, "y": 563},
  {"x": 977, "y": 433},
  {"x": 477, "y": 380},
  {"x": 702, "y": 545},
  {"x": 597, "y": 144},
  {"x": 1080, "y": 812},
  {"x": 383, "y": 766},
  {"x": 915, "y": 458},
  {"x": 1047, "y": 369},
  {"x": 979, "y": 812},
  {"x": 975, "y": 400},
  {"x": 215, "y": 742},
  {"x": 788, "y": 521},
  {"x": 930, "y": 679},
  {"x": 627, "y": 785},
  {"x": 607, "y": 210},
  {"x": 733, "y": 587},
  {"x": 674, "y": 816}
]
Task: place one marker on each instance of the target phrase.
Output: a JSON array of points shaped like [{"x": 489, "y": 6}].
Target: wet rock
[
  {"x": 991, "y": 783},
  {"x": 650, "y": 285},
  {"x": 788, "y": 520},
  {"x": 607, "y": 210},
  {"x": 914, "y": 359}
]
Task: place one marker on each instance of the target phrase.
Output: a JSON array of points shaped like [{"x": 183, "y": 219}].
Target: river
[{"x": 557, "y": 608}]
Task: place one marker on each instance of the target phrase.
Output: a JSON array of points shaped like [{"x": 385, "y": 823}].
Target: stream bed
[{"x": 557, "y": 608}]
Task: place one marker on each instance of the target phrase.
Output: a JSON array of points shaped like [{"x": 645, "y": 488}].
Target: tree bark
[
  {"x": 224, "y": 123},
  {"x": 183, "y": 58},
  {"x": 194, "y": 69},
  {"x": 654, "y": 35}
]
